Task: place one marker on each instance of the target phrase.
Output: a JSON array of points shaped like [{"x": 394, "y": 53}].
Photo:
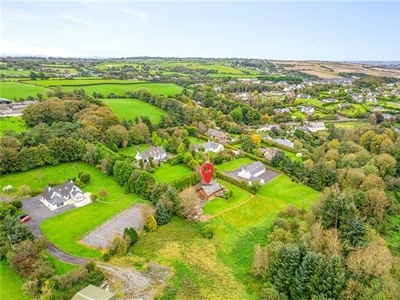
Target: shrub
[
  {"x": 207, "y": 231},
  {"x": 84, "y": 177},
  {"x": 133, "y": 235},
  {"x": 8, "y": 189},
  {"x": 25, "y": 190},
  {"x": 161, "y": 214},
  {"x": 36, "y": 192},
  {"x": 17, "y": 204},
  {"x": 151, "y": 224}
]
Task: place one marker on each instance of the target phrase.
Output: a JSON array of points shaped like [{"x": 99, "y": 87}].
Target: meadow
[
  {"x": 132, "y": 108},
  {"x": 14, "y": 90},
  {"x": 12, "y": 123},
  {"x": 78, "y": 81},
  {"x": 168, "y": 89}
]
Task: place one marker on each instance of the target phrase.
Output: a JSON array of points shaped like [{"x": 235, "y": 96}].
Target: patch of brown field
[{"x": 321, "y": 74}]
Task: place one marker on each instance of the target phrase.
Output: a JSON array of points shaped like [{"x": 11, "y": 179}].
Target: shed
[{"x": 92, "y": 292}]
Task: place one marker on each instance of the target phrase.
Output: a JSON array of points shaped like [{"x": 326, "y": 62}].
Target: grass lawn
[
  {"x": 168, "y": 89},
  {"x": 65, "y": 230},
  {"x": 12, "y": 123},
  {"x": 11, "y": 90},
  {"x": 10, "y": 283},
  {"x": 132, "y": 150},
  {"x": 168, "y": 173},
  {"x": 132, "y": 108},
  {"x": 218, "y": 205},
  {"x": 234, "y": 164},
  {"x": 61, "y": 267},
  {"x": 220, "y": 69},
  {"x": 291, "y": 155},
  {"x": 194, "y": 140},
  {"x": 78, "y": 82},
  {"x": 351, "y": 124}
]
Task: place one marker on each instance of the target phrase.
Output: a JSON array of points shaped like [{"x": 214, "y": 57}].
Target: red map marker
[{"x": 206, "y": 172}]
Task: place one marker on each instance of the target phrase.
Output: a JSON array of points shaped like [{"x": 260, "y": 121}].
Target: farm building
[
  {"x": 58, "y": 196},
  {"x": 156, "y": 153},
  {"x": 209, "y": 191},
  {"x": 92, "y": 292}
]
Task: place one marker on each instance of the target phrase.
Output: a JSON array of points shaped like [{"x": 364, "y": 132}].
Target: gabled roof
[
  {"x": 216, "y": 133},
  {"x": 254, "y": 168},
  {"x": 60, "y": 193},
  {"x": 210, "y": 145},
  {"x": 152, "y": 152},
  {"x": 92, "y": 292},
  {"x": 210, "y": 188}
]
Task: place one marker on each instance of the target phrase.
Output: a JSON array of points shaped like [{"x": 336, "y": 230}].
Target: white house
[
  {"x": 316, "y": 126},
  {"x": 307, "y": 110},
  {"x": 211, "y": 146},
  {"x": 58, "y": 196},
  {"x": 268, "y": 127},
  {"x": 252, "y": 171},
  {"x": 157, "y": 153}
]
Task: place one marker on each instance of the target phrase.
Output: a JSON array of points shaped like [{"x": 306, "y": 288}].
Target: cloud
[
  {"x": 75, "y": 19},
  {"x": 26, "y": 17},
  {"x": 18, "y": 48}
]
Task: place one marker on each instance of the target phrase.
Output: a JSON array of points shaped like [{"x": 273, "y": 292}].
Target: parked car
[
  {"x": 26, "y": 219},
  {"x": 22, "y": 216}
]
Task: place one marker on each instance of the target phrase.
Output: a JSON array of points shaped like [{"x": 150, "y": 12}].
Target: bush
[
  {"x": 161, "y": 214},
  {"x": 151, "y": 224},
  {"x": 36, "y": 192},
  {"x": 84, "y": 177},
  {"x": 207, "y": 231},
  {"x": 25, "y": 190},
  {"x": 17, "y": 204},
  {"x": 133, "y": 235}
]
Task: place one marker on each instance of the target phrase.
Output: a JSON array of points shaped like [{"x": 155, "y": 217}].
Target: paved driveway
[{"x": 39, "y": 212}]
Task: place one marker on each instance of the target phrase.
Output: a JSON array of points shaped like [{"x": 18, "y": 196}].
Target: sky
[{"x": 291, "y": 30}]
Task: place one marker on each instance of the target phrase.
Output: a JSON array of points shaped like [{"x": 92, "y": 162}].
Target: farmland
[
  {"x": 132, "y": 108},
  {"x": 11, "y": 284},
  {"x": 14, "y": 90},
  {"x": 77, "y": 82},
  {"x": 168, "y": 173}
]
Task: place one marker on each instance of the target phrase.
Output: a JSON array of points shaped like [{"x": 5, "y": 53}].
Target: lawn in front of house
[
  {"x": 168, "y": 173},
  {"x": 132, "y": 108}
]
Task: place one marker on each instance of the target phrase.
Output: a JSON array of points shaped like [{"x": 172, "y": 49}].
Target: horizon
[{"x": 289, "y": 31}]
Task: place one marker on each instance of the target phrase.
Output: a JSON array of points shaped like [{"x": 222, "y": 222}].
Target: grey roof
[
  {"x": 284, "y": 142},
  {"x": 60, "y": 193},
  {"x": 92, "y": 292},
  {"x": 211, "y": 188},
  {"x": 210, "y": 145},
  {"x": 254, "y": 168},
  {"x": 216, "y": 133},
  {"x": 152, "y": 152}
]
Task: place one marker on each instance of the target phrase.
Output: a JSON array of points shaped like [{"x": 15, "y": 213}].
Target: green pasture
[
  {"x": 15, "y": 90},
  {"x": 211, "y": 268},
  {"x": 10, "y": 284},
  {"x": 291, "y": 155},
  {"x": 12, "y": 123},
  {"x": 77, "y": 82},
  {"x": 15, "y": 73},
  {"x": 132, "y": 108},
  {"x": 168, "y": 89},
  {"x": 106, "y": 65},
  {"x": 168, "y": 173},
  {"x": 219, "y": 205},
  {"x": 196, "y": 141},
  {"x": 351, "y": 124},
  {"x": 219, "y": 68}
]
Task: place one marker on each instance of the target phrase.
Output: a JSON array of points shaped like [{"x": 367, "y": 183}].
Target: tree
[
  {"x": 117, "y": 135},
  {"x": 122, "y": 171},
  {"x": 257, "y": 139},
  {"x": 102, "y": 193},
  {"x": 189, "y": 203},
  {"x": 139, "y": 133},
  {"x": 161, "y": 214},
  {"x": 84, "y": 177},
  {"x": 247, "y": 144}
]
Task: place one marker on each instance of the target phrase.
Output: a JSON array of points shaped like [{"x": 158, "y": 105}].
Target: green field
[
  {"x": 234, "y": 164},
  {"x": 220, "y": 268},
  {"x": 78, "y": 82},
  {"x": 168, "y": 173},
  {"x": 219, "y": 205},
  {"x": 132, "y": 150},
  {"x": 168, "y": 89},
  {"x": 61, "y": 267},
  {"x": 10, "y": 284},
  {"x": 132, "y": 108},
  {"x": 15, "y": 90},
  {"x": 12, "y": 123}
]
